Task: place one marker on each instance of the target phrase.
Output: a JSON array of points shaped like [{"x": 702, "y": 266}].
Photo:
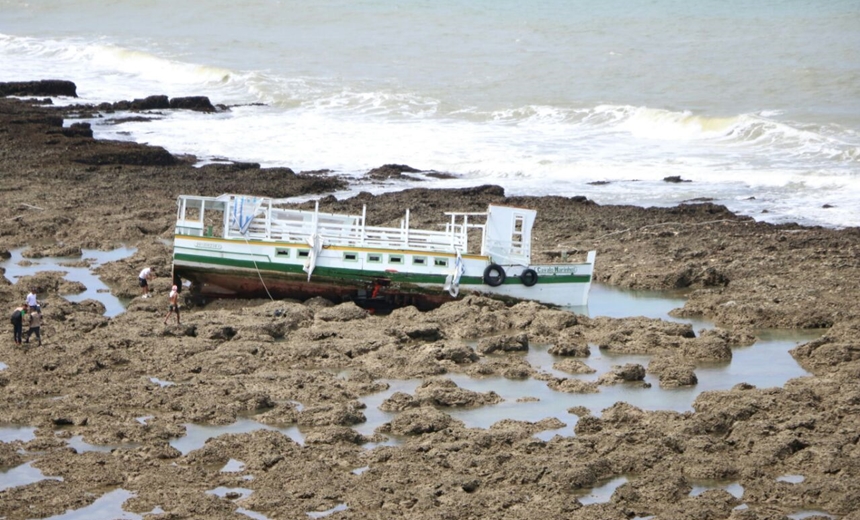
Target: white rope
[{"x": 258, "y": 270}]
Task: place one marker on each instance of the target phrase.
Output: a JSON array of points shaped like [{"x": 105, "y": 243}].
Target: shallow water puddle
[
  {"x": 375, "y": 416},
  {"x": 22, "y": 475},
  {"x": 11, "y": 433},
  {"x": 791, "y": 479},
  {"x": 77, "y": 442},
  {"x": 321, "y": 514},
  {"x": 159, "y": 382},
  {"x": 806, "y": 513},
  {"x": 197, "y": 435},
  {"x": 765, "y": 364},
  {"x": 233, "y": 466},
  {"x": 108, "y": 505},
  {"x": 600, "y": 494},
  {"x": 95, "y": 288},
  {"x": 733, "y": 488},
  {"x": 604, "y": 300},
  {"x": 359, "y": 471},
  {"x": 3, "y": 366},
  {"x": 252, "y": 514}
]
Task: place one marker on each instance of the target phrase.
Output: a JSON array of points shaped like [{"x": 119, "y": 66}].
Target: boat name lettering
[
  {"x": 555, "y": 269},
  {"x": 207, "y": 245}
]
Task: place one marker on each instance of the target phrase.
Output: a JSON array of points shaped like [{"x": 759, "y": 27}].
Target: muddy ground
[{"x": 308, "y": 363}]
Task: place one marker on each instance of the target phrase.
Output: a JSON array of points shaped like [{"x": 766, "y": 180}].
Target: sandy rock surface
[{"x": 132, "y": 385}]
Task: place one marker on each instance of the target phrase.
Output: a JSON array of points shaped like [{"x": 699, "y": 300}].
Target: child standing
[{"x": 174, "y": 304}]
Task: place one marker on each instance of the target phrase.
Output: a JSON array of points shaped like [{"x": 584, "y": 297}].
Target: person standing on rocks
[
  {"x": 18, "y": 323},
  {"x": 35, "y": 325},
  {"x": 143, "y": 280},
  {"x": 32, "y": 301},
  {"x": 174, "y": 304}
]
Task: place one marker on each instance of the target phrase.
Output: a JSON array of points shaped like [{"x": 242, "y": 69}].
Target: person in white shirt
[
  {"x": 143, "y": 279},
  {"x": 32, "y": 302}
]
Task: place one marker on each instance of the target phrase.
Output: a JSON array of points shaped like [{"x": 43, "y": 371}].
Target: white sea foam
[{"x": 763, "y": 117}]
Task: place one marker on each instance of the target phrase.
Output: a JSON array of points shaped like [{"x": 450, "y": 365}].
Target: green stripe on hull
[{"x": 359, "y": 274}]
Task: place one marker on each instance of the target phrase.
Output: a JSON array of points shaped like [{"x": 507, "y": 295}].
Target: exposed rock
[
  {"x": 196, "y": 103},
  {"x": 573, "y": 366},
  {"x": 444, "y": 392},
  {"x": 151, "y": 103},
  {"x": 418, "y": 421},
  {"x": 344, "y": 312},
  {"x": 390, "y": 171},
  {"x": 505, "y": 343},
  {"x": 625, "y": 373},
  {"x": 45, "y": 87}
]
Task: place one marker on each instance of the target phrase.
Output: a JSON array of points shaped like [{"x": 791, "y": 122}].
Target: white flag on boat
[
  {"x": 316, "y": 243},
  {"x": 244, "y": 211},
  {"x": 452, "y": 281}
]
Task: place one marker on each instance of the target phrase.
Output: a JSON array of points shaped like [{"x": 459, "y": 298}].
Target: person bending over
[{"x": 143, "y": 279}]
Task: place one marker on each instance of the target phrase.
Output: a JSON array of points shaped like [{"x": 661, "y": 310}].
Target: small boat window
[
  {"x": 440, "y": 262},
  {"x": 303, "y": 253},
  {"x": 282, "y": 252},
  {"x": 374, "y": 258},
  {"x": 419, "y": 260},
  {"x": 395, "y": 259},
  {"x": 350, "y": 256}
]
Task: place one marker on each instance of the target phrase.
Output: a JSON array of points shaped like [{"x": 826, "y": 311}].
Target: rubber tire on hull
[
  {"x": 529, "y": 277},
  {"x": 494, "y": 275}
]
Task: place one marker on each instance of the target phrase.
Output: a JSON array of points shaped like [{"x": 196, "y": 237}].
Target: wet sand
[{"x": 132, "y": 386}]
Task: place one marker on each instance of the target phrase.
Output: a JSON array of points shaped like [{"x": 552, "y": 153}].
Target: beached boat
[{"x": 243, "y": 246}]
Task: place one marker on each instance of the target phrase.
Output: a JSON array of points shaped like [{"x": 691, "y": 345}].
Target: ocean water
[{"x": 757, "y": 104}]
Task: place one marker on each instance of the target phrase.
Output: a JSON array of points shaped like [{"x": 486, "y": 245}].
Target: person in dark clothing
[{"x": 18, "y": 323}]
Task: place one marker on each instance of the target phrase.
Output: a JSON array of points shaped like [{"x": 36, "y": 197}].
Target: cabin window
[
  {"x": 517, "y": 235},
  {"x": 283, "y": 252},
  {"x": 374, "y": 258},
  {"x": 440, "y": 262},
  {"x": 304, "y": 253},
  {"x": 395, "y": 259},
  {"x": 350, "y": 256},
  {"x": 419, "y": 260},
  {"x": 213, "y": 220}
]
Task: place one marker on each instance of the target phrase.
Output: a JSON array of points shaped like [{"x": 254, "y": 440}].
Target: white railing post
[
  {"x": 225, "y": 218},
  {"x": 406, "y": 230},
  {"x": 269, "y": 221},
  {"x": 363, "y": 223},
  {"x": 315, "y": 220}
]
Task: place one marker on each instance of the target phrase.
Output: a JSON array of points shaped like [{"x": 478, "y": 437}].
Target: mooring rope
[{"x": 258, "y": 270}]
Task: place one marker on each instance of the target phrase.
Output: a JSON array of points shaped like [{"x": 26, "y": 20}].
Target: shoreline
[{"x": 63, "y": 191}]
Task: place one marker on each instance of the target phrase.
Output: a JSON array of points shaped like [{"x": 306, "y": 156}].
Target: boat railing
[
  {"x": 355, "y": 235},
  {"x": 508, "y": 252}
]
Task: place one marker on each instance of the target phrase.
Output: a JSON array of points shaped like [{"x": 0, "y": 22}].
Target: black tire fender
[
  {"x": 529, "y": 277},
  {"x": 494, "y": 275}
]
